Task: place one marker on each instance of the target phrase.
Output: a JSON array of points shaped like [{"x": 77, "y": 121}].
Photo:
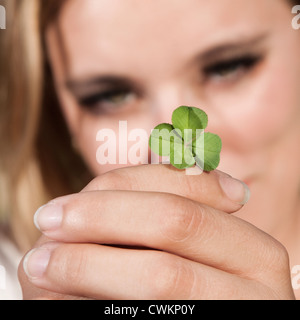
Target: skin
[{"x": 256, "y": 112}]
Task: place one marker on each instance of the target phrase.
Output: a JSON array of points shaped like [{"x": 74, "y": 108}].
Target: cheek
[{"x": 86, "y": 142}]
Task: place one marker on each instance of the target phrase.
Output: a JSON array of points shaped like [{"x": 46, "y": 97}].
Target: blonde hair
[{"x": 37, "y": 160}]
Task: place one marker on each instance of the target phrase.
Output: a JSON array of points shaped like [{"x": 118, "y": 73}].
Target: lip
[{"x": 249, "y": 181}]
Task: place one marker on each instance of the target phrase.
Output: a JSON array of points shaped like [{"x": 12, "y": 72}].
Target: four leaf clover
[{"x": 185, "y": 141}]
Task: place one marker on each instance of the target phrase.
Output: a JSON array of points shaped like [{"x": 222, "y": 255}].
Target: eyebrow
[{"x": 228, "y": 49}]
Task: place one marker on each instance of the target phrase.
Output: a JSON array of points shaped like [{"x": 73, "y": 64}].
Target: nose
[{"x": 164, "y": 101}]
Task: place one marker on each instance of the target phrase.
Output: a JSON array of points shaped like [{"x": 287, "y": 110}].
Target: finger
[
  {"x": 99, "y": 272},
  {"x": 215, "y": 189},
  {"x": 31, "y": 292},
  {"x": 165, "y": 222}
]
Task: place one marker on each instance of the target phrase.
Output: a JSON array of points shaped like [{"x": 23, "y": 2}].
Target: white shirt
[{"x": 10, "y": 258}]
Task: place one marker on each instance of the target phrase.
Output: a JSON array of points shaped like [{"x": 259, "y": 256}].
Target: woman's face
[{"x": 139, "y": 60}]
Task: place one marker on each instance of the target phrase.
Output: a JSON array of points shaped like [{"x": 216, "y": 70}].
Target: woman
[{"x": 151, "y": 231}]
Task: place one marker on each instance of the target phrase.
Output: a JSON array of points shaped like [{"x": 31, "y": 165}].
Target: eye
[
  {"x": 230, "y": 69},
  {"x": 108, "y": 101}
]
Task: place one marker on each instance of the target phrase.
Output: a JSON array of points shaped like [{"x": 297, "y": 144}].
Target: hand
[{"x": 151, "y": 232}]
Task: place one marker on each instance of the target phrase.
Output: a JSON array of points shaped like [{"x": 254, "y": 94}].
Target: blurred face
[{"x": 138, "y": 61}]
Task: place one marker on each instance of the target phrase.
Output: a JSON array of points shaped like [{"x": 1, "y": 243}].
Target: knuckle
[
  {"x": 181, "y": 221},
  {"x": 82, "y": 213},
  {"x": 108, "y": 181},
  {"x": 68, "y": 210},
  {"x": 274, "y": 261},
  {"x": 173, "y": 278},
  {"x": 279, "y": 257},
  {"x": 70, "y": 265},
  {"x": 112, "y": 180},
  {"x": 72, "y": 219}
]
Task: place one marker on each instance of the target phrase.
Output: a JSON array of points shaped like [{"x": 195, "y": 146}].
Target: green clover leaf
[
  {"x": 185, "y": 118},
  {"x": 207, "y": 150},
  {"x": 185, "y": 141},
  {"x": 160, "y": 139}
]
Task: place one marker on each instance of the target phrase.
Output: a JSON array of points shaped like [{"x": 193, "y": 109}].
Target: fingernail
[
  {"x": 234, "y": 189},
  {"x": 36, "y": 262},
  {"x": 48, "y": 217}
]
